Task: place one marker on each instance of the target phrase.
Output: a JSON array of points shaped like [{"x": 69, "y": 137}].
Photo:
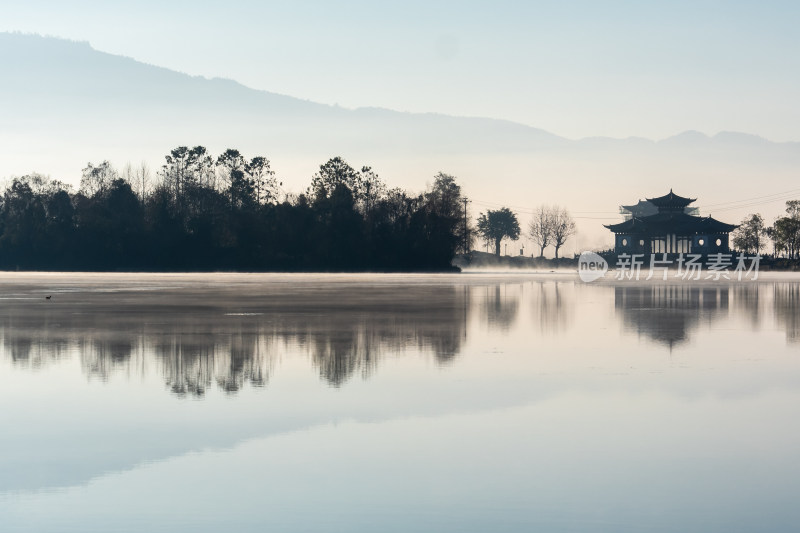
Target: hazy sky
[{"x": 577, "y": 69}]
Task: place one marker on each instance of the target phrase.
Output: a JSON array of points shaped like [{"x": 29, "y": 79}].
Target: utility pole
[{"x": 466, "y": 227}]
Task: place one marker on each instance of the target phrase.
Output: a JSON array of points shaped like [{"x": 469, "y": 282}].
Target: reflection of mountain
[
  {"x": 667, "y": 313},
  {"x": 213, "y": 333},
  {"x": 226, "y": 332},
  {"x": 345, "y": 329}
]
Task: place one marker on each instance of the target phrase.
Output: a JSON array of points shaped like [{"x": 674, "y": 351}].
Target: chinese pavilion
[{"x": 670, "y": 226}]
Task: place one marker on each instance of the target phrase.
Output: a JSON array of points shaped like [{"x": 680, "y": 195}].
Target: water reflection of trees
[
  {"x": 35, "y": 345},
  {"x": 551, "y": 304},
  {"x": 786, "y": 298},
  {"x": 192, "y": 361},
  {"x": 500, "y": 304},
  {"x": 344, "y": 333},
  {"x": 668, "y": 313},
  {"x": 747, "y": 302},
  {"x": 354, "y": 335},
  {"x": 552, "y": 311}
]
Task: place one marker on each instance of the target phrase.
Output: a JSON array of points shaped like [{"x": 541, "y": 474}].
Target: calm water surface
[{"x": 365, "y": 403}]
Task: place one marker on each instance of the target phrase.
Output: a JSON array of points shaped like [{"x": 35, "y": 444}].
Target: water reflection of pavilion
[{"x": 667, "y": 313}]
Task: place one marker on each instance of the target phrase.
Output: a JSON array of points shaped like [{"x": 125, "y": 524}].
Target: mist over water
[{"x": 505, "y": 401}]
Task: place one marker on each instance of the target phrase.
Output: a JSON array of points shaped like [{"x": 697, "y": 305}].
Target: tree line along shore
[
  {"x": 229, "y": 213},
  {"x": 199, "y": 212}
]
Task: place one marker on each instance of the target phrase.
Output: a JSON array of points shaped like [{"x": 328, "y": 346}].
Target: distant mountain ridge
[
  {"x": 45, "y": 73},
  {"x": 47, "y": 70},
  {"x": 63, "y": 103}
]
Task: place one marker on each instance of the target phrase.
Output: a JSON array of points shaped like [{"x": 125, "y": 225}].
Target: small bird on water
[{"x": 48, "y": 297}]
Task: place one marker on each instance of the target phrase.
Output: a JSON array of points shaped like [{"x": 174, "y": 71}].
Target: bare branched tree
[
  {"x": 540, "y": 229},
  {"x": 142, "y": 180},
  {"x": 97, "y": 178},
  {"x": 563, "y": 227},
  {"x": 373, "y": 189}
]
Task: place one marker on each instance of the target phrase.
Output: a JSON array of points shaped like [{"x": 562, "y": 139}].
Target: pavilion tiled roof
[
  {"x": 671, "y": 200},
  {"x": 642, "y": 207},
  {"x": 668, "y": 223}
]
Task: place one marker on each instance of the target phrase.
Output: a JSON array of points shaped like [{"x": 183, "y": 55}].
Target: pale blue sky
[{"x": 576, "y": 69}]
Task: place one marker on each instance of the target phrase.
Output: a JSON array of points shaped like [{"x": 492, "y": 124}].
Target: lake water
[{"x": 380, "y": 403}]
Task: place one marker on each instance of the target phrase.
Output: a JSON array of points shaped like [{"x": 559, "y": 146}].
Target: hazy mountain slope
[
  {"x": 63, "y": 103},
  {"x": 62, "y": 83}
]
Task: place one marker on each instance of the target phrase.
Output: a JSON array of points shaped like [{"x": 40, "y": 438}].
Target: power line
[
  {"x": 753, "y": 204},
  {"x": 790, "y": 191},
  {"x": 717, "y": 207},
  {"x": 466, "y": 226},
  {"x": 529, "y": 210}
]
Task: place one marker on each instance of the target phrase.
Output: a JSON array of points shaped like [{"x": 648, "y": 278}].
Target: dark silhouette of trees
[
  {"x": 24, "y": 224},
  {"x": 96, "y": 179},
  {"x": 373, "y": 189},
  {"x": 445, "y": 215},
  {"x": 334, "y": 172},
  {"x": 228, "y": 213},
  {"x": 540, "y": 229},
  {"x": 494, "y": 226},
  {"x": 551, "y": 225},
  {"x": 750, "y": 234},
  {"x": 262, "y": 177},
  {"x": 563, "y": 227},
  {"x": 785, "y": 232},
  {"x": 139, "y": 178}
]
